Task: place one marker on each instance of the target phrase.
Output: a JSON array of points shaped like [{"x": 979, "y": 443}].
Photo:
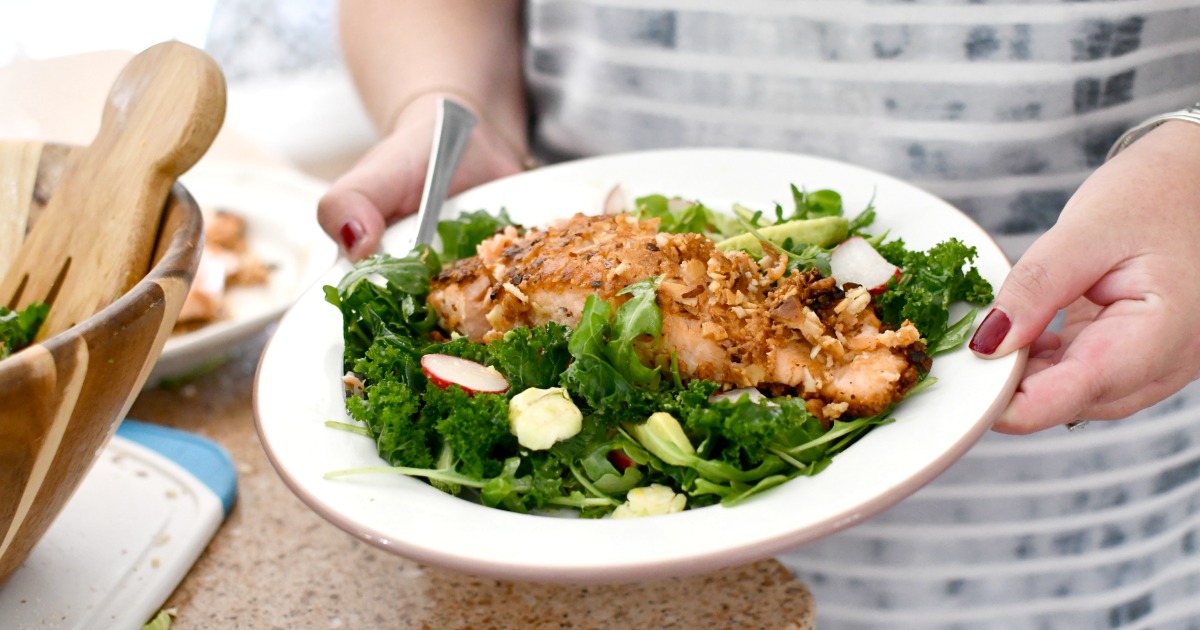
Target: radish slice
[
  {"x": 620, "y": 460},
  {"x": 445, "y": 370},
  {"x": 734, "y": 395},
  {"x": 855, "y": 260},
  {"x": 679, "y": 205},
  {"x": 614, "y": 203}
]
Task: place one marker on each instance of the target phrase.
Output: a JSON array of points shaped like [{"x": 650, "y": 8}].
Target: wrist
[{"x": 1190, "y": 115}]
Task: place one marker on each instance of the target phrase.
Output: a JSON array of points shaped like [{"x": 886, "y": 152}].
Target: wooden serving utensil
[
  {"x": 18, "y": 171},
  {"x": 95, "y": 238}
]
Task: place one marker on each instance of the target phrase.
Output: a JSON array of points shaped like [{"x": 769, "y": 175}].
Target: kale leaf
[
  {"x": 531, "y": 357},
  {"x": 742, "y": 431},
  {"x": 473, "y": 426},
  {"x": 390, "y": 402},
  {"x": 929, "y": 283}
]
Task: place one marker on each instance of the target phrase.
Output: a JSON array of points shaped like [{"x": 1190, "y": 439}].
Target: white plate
[
  {"x": 280, "y": 209},
  {"x": 298, "y": 388}
]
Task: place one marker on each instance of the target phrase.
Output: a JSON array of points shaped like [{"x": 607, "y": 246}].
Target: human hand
[
  {"x": 1123, "y": 260},
  {"x": 386, "y": 184}
]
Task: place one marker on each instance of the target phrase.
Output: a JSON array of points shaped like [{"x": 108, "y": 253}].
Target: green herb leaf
[
  {"x": 531, "y": 357},
  {"x": 819, "y": 203},
  {"x": 638, "y": 322},
  {"x": 462, "y": 236},
  {"x": 409, "y": 274},
  {"x": 18, "y": 328},
  {"x": 690, "y": 217},
  {"x": 472, "y": 425},
  {"x": 929, "y": 283}
]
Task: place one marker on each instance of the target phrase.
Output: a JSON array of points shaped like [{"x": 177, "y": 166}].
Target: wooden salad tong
[{"x": 95, "y": 238}]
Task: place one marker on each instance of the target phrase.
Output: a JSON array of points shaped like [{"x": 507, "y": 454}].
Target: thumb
[
  {"x": 1046, "y": 279},
  {"x": 382, "y": 187}
]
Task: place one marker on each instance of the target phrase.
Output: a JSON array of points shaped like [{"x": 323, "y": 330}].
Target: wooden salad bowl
[{"x": 62, "y": 398}]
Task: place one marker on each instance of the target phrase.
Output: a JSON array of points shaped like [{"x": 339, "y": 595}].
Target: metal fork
[{"x": 454, "y": 125}]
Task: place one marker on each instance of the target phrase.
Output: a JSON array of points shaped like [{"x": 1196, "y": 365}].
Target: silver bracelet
[{"x": 1191, "y": 114}]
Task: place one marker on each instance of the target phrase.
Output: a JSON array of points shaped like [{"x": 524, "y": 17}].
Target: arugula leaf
[
  {"x": 605, "y": 475},
  {"x": 638, "y": 317},
  {"x": 819, "y": 203},
  {"x": 588, "y": 339},
  {"x": 396, "y": 307},
  {"x": 605, "y": 372},
  {"x": 610, "y": 398},
  {"x": 688, "y": 217},
  {"x": 736, "y": 493},
  {"x": 409, "y": 274},
  {"x": 955, "y": 335},
  {"x": 863, "y": 219},
  {"x": 828, "y": 443},
  {"x": 462, "y": 236}
]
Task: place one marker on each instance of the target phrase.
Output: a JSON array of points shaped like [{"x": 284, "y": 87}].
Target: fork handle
[{"x": 454, "y": 124}]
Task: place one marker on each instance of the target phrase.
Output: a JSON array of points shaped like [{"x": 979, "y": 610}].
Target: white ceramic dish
[
  {"x": 298, "y": 388},
  {"x": 280, "y": 209}
]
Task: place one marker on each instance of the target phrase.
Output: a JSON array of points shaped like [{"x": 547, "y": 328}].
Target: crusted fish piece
[{"x": 726, "y": 317}]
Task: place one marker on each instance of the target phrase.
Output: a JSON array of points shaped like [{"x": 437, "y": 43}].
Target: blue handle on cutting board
[{"x": 206, "y": 460}]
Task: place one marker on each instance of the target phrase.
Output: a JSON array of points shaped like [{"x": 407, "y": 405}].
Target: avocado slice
[{"x": 823, "y": 231}]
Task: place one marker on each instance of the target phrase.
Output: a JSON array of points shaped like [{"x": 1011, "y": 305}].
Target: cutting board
[{"x": 133, "y": 529}]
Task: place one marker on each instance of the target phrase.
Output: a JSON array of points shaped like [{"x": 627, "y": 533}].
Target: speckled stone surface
[{"x": 277, "y": 564}]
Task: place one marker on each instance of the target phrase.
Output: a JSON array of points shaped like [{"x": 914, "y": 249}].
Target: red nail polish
[
  {"x": 991, "y": 332},
  {"x": 351, "y": 233}
]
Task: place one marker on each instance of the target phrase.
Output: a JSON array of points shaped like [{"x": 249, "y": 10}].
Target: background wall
[{"x": 288, "y": 90}]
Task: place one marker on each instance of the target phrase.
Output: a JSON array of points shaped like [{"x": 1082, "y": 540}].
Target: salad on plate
[{"x": 647, "y": 360}]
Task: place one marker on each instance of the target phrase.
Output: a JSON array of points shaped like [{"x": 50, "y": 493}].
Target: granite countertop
[{"x": 277, "y": 564}]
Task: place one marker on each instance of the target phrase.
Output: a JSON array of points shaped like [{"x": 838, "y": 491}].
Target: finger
[
  {"x": 1044, "y": 353},
  {"x": 379, "y": 189},
  {"x": 1047, "y": 343},
  {"x": 1141, "y": 398},
  {"x": 1037, "y": 364},
  {"x": 1042, "y": 282},
  {"x": 351, "y": 220},
  {"x": 1110, "y": 360}
]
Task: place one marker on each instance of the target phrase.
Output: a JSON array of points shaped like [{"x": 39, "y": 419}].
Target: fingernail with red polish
[
  {"x": 991, "y": 332},
  {"x": 351, "y": 232}
]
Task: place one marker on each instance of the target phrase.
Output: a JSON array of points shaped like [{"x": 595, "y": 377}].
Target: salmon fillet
[{"x": 726, "y": 317}]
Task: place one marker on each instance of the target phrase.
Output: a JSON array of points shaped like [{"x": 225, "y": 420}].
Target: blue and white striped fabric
[
  {"x": 1091, "y": 529},
  {"x": 1002, "y": 107}
]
